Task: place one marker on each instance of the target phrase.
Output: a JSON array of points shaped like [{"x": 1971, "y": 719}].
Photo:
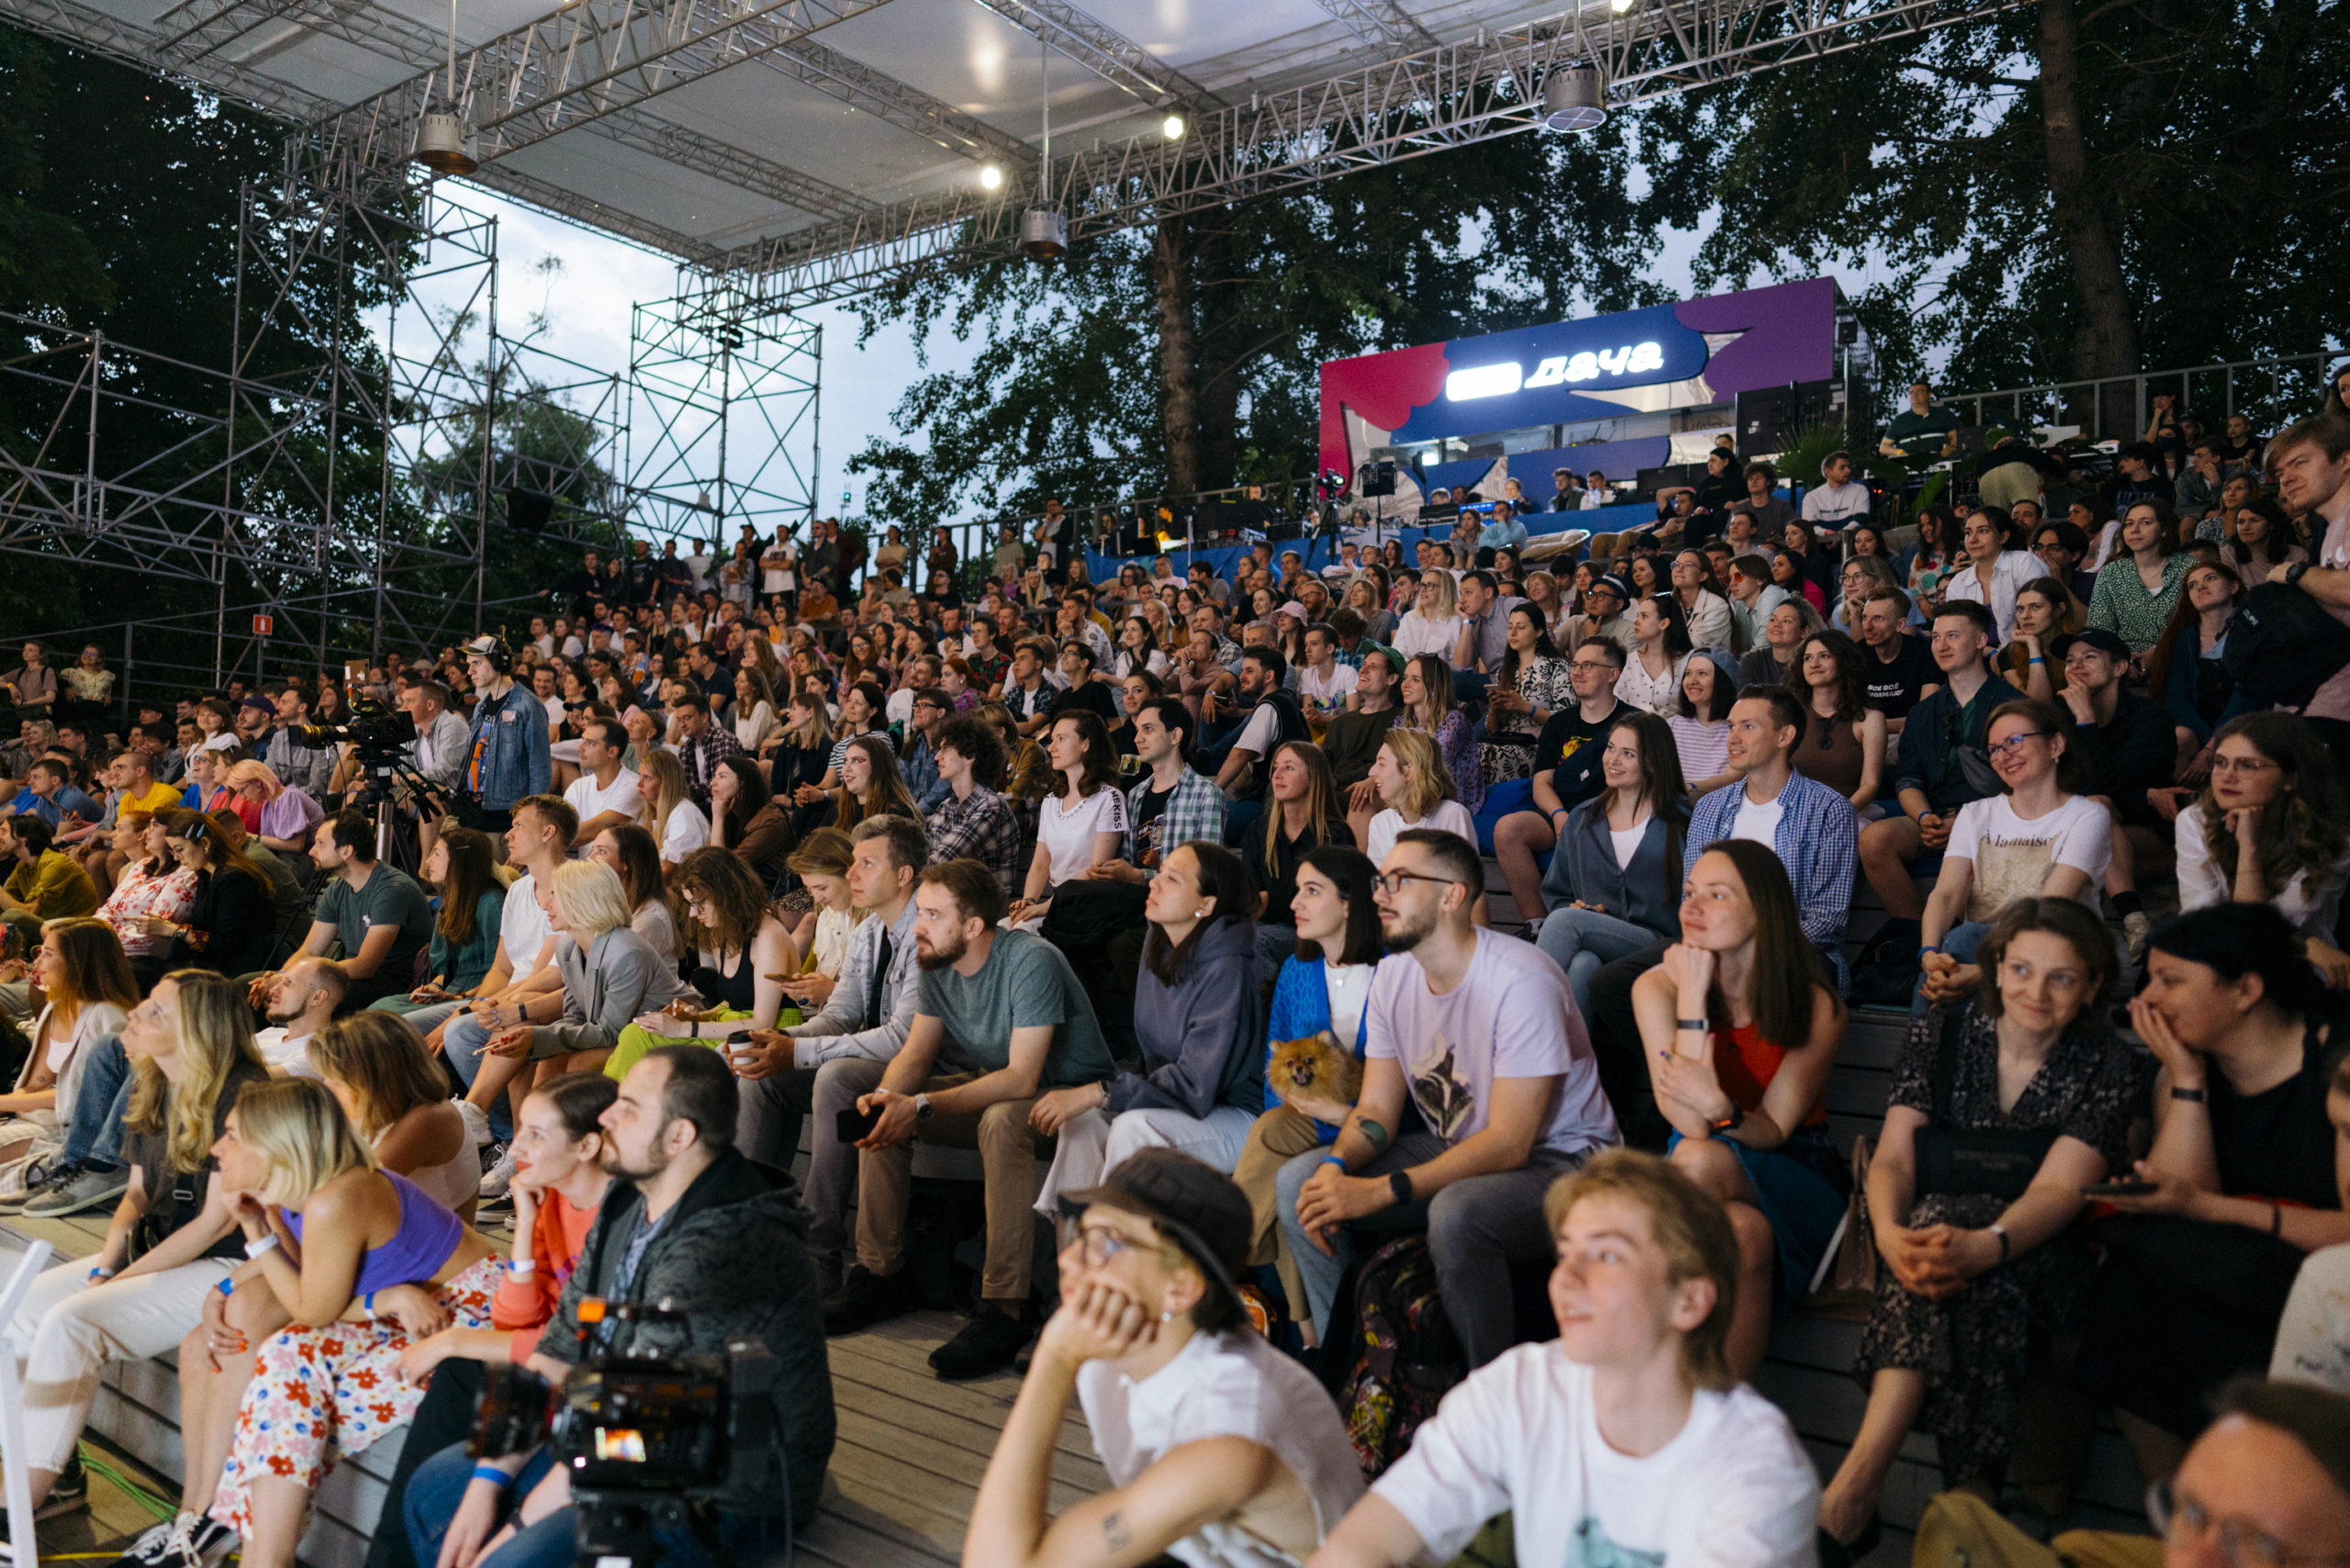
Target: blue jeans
[
  {"x": 1580, "y": 940},
  {"x": 462, "y": 1043},
  {"x": 1960, "y": 941},
  {"x": 94, "y": 1134},
  {"x": 440, "y": 1483}
]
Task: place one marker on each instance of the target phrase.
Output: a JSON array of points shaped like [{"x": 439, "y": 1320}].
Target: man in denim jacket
[{"x": 507, "y": 759}]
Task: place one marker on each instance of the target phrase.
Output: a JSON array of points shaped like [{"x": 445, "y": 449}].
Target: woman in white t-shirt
[
  {"x": 1415, "y": 791},
  {"x": 2271, "y": 826},
  {"x": 1625, "y": 1439},
  {"x": 2039, "y": 840},
  {"x": 668, "y": 812},
  {"x": 1433, "y": 624},
  {"x": 1082, "y": 823},
  {"x": 754, "y": 717},
  {"x": 1652, "y": 677}
]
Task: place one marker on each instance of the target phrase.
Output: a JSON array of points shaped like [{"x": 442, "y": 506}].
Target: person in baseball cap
[{"x": 1193, "y": 1413}]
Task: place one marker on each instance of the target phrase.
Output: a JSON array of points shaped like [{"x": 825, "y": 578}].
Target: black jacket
[
  {"x": 732, "y": 1255},
  {"x": 2135, "y": 752},
  {"x": 238, "y": 918}
]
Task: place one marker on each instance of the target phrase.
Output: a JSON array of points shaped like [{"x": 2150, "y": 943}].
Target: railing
[{"x": 2269, "y": 392}]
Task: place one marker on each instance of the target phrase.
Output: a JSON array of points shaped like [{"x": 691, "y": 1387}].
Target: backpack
[
  {"x": 1405, "y": 1357},
  {"x": 2282, "y": 646}
]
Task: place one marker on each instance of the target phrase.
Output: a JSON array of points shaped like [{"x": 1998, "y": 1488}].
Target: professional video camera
[
  {"x": 376, "y": 731},
  {"x": 649, "y": 1435}
]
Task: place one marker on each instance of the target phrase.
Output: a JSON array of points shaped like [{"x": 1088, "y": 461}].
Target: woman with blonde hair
[
  {"x": 609, "y": 976},
  {"x": 169, "y": 1245},
  {"x": 363, "y": 1263},
  {"x": 746, "y": 956},
  {"x": 390, "y": 1087},
  {"x": 1433, "y": 624},
  {"x": 286, "y": 816},
  {"x": 667, "y": 810},
  {"x": 1424, "y": 696},
  {"x": 1414, "y": 791}
]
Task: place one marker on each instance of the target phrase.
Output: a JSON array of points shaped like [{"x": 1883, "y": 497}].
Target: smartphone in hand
[
  {"x": 2127, "y": 1187},
  {"x": 853, "y": 1125}
]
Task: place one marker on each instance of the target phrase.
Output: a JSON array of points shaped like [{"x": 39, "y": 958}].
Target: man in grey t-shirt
[
  {"x": 377, "y": 912},
  {"x": 1007, "y": 1014}
]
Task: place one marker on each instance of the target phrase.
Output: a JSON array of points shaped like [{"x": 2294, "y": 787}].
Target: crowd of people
[{"x": 1168, "y": 898}]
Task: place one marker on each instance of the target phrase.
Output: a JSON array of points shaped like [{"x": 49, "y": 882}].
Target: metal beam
[
  {"x": 1448, "y": 95},
  {"x": 1383, "y": 22},
  {"x": 1103, "y": 50}
]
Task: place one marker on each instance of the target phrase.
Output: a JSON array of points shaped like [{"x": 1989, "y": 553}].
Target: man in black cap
[
  {"x": 1219, "y": 1445},
  {"x": 2127, "y": 739}
]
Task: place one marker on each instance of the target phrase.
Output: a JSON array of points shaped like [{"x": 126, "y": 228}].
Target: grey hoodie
[{"x": 1202, "y": 1038}]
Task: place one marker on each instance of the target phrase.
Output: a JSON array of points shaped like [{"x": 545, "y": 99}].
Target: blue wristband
[
  {"x": 1333, "y": 1159},
  {"x": 228, "y": 1286},
  {"x": 367, "y": 1304},
  {"x": 494, "y": 1475}
]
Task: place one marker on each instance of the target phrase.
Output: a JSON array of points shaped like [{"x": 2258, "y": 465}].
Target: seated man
[
  {"x": 811, "y": 1065},
  {"x": 1478, "y": 1030},
  {"x": 694, "y": 1225},
  {"x": 303, "y": 1000},
  {"x": 1899, "y": 669},
  {"x": 1220, "y": 1445},
  {"x": 376, "y": 910},
  {"x": 1008, "y": 1015},
  {"x": 1932, "y": 778},
  {"x": 2127, "y": 739},
  {"x": 1626, "y": 1435}
]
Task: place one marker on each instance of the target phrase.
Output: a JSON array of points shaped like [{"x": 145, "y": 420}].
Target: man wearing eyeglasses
[
  {"x": 1606, "y": 603},
  {"x": 2128, "y": 740},
  {"x": 1566, "y": 767},
  {"x": 1479, "y": 1031},
  {"x": 921, "y": 767}
]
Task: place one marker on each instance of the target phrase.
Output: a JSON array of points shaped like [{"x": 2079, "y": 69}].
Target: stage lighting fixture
[
  {"x": 1173, "y": 128},
  {"x": 1573, "y": 99},
  {"x": 990, "y": 177},
  {"x": 443, "y": 141},
  {"x": 1620, "y": 6}
]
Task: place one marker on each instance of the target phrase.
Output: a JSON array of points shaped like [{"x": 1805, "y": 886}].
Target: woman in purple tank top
[{"x": 385, "y": 1265}]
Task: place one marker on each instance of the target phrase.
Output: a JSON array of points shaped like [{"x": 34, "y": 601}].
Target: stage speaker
[
  {"x": 527, "y": 512},
  {"x": 1376, "y": 479}
]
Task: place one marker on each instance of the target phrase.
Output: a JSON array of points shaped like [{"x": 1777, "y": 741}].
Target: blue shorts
[{"x": 1802, "y": 1187}]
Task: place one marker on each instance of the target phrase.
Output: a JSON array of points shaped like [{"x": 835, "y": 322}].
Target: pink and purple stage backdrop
[{"x": 1667, "y": 356}]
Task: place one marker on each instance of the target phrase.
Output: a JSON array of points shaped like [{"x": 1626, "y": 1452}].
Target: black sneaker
[
  {"x": 989, "y": 1342},
  {"x": 40, "y": 1179},
  {"x": 867, "y": 1298},
  {"x": 70, "y": 1494},
  {"x": 191, "y": 1541}
]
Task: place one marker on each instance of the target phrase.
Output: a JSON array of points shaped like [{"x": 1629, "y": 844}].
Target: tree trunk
[
  {"x": 2107, "y": 342},
  {"x": 1179, "y": 350}
]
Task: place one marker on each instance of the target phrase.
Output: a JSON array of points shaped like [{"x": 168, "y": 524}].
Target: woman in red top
[
  {"x": 559, "y": 1183},
  {"x": 1739, "y": 1026}
]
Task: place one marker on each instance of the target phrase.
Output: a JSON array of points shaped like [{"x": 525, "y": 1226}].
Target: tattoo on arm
[
  {"x": 1378, "y": 1135},
  {"x": 1114, "y": 1534}
]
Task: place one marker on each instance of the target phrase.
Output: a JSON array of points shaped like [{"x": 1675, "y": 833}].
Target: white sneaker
[
  {"x": 476, "y": 1122},
  {"x": 499, "y": 1178}
]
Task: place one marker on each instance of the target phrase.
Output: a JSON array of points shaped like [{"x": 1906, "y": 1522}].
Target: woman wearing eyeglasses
[
  {"x": 2040, "y": 839},
  {"x": 2272, "y": 826}
]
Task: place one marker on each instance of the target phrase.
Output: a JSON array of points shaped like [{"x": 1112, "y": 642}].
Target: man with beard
[
  {"x": 1479, "y": 1031},
  {"x": 305, "y": 999},
  {"x": 693, "y": 1225},
  {"x": 1005, "y": 1010}
]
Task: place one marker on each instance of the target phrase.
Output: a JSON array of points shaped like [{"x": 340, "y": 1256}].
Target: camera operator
[
  {"x": 509, "y": 757},
  {"x": 438, "y": 753},
  {"x": 693, "y": 1223}
]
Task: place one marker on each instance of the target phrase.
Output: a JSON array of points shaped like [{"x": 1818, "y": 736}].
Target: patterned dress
[
  {"x": 1972, "y": 1345},
  {"x": 1509, "y": 751}
]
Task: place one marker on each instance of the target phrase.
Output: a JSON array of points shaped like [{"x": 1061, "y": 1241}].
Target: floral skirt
[{"x": 317, "y": 1394}]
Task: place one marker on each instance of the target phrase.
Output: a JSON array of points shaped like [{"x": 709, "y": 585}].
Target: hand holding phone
[
  {"x": 853, "y": 1125},
  {"x": 2126, "y": 1187}
]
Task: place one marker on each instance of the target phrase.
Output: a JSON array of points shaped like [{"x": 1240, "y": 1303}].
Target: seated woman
[
  {"x": 609, "y": 977},
  {"x": 1843, "y": 744},
  {"x": 1699, "y": 727},
  {"x": 288, "y": 816},
  {"x": 2247, "y": 1175},
  {"x": 231, "y": 926},
  {"x": 1661, "y": 651},
  {"x": 1221, "y": 1450},
  {"x": 363, "y": 1264},
  {"x": 1741, "y": 1025},
  {"x": 89, "y": 988},
  {"x": 634, "y": 855},
  {"x": 1414, "y": 791},
  {"x": 2037, "y": 840},
  {"x": 668, "y": 812},
  {"x": 153, "y": 892},
  {"x": 2045, "y": 610},
  {"x": 820, "y": 938},
  {"x": 802, "y": 759},
  {"x": 1303, "y": 812},
  {"x": 1325, "y": 984},
  {"x": 463, "y": 874},
  {"x": 746, "y": 959},
  {"x": 1613, "y": 885},
  {"x": 162, "y": 1275},
  {"x": 1082, "y": 823},
  {"x": 1783, "y": 630},
  {"x": 871, "y": 784},
  {"x": 2272, "y": 826},
  {"x": 745, "y": 819},
  {"x": 1530, "y": 686},
  {"x": 1200, "y": 1024},
  {"x": 171, "y": 1242},
  {"x": 1424, "y": 703},
  {"x": 392, "y": 1089},
  {"x": 1973, "y": 1265},
  {"x": 2184, "y": 672}
]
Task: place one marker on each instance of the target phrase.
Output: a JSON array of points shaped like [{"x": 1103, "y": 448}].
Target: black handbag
[{"x": 1998, "y": 1163}]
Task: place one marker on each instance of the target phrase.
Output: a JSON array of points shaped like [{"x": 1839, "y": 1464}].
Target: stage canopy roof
[{"x": 802, "y": 150}]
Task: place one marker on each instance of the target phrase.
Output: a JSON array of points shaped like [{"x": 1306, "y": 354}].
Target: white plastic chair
[{"x": 21, "y": 1549}]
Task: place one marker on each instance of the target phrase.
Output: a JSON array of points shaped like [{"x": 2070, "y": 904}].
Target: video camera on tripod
[{"x": 649, "y": 1436}]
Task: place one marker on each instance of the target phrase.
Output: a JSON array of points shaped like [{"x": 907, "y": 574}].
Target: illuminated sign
[{"x": 1559, "y": 370}]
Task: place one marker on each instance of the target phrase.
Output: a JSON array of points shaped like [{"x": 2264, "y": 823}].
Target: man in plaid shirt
[
  {"x": 975, "y": 822},
  {"x": 1174, "y": 805},
  {"x": 701, "y": 745}
]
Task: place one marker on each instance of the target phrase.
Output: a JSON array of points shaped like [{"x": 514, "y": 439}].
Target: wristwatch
[
  {"x": 921, "y": 1108},
  {"x": 2295, "y": 573},
  {"x": 1732, "y": 1122}
]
